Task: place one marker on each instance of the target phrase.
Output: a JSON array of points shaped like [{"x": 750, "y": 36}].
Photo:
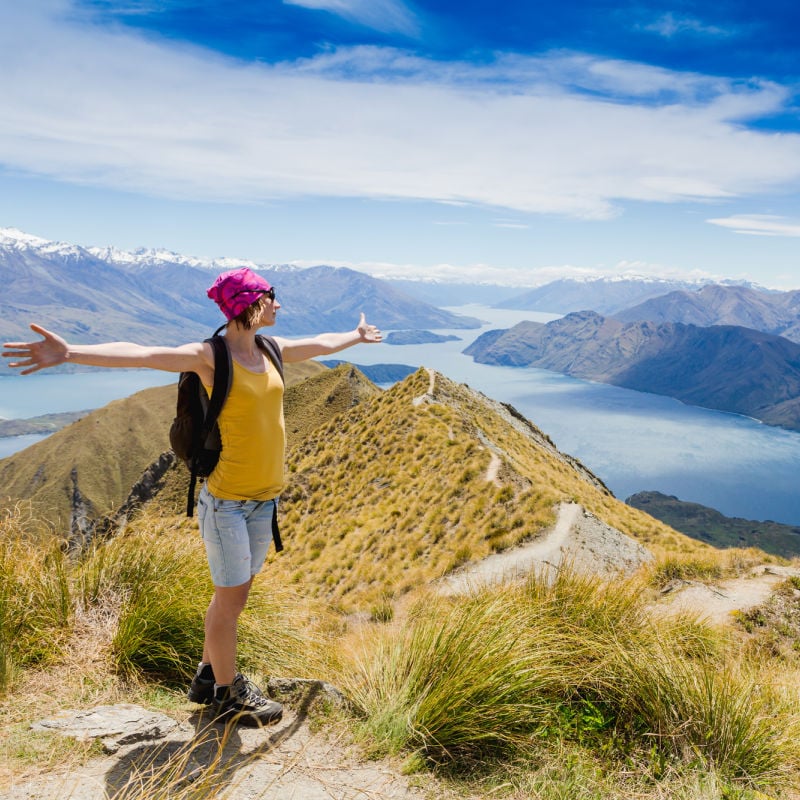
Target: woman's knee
[{"x": 230, "y": 600}]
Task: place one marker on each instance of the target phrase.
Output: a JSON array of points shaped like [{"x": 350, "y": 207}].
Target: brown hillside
[
  {"x": 310, "y": 403},
  {"x": 88, "y": 468},
  {"x": 386, "y": 491},
  {"x": 425, "y": 477}
]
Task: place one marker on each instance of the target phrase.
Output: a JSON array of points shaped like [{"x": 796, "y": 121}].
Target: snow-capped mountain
[
  {"x": 159, "y": 297},
  {"x": 15, "y": 239}
]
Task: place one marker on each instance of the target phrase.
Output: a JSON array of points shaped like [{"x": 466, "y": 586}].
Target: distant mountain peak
[
  {"x": 15, "y": 239},
  {"x": 147, "y": 256},
  {"x": 157, "y": 256},
  {"x": 16, "y": 236}
]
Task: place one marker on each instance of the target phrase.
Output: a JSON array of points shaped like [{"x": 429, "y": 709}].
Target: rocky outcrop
[{"x": 85, "y": 526}]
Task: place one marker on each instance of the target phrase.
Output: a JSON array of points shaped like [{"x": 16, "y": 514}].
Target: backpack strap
[
  {"x": 223, "y": 375},
  {"x": 270, "y": 347}
]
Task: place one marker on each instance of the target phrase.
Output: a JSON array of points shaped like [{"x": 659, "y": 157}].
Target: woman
[{"x": 237, "y": 502}]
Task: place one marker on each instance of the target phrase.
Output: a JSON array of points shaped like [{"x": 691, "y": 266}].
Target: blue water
[
  {"x": 49, "y": 393},
  {"x": 632, "y": 440}
]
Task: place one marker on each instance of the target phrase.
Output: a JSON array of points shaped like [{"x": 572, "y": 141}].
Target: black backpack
[{"x": 194, "y": 433}]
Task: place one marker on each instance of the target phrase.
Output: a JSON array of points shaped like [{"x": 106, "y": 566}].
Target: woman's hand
[
  {"x": 49, "y": 352},
  {"x": 368, "y": 333}
]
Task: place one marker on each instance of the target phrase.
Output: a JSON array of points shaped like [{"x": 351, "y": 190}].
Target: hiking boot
[
  {"x": 202, "y": 688},
  {"x": 244, "y": 702}
]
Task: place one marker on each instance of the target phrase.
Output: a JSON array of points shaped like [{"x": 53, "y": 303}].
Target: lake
[
  {"x": 632, "y": 440},
  {"x": 49, "y": 393}
]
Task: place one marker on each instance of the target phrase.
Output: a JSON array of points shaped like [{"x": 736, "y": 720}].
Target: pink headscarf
[{"x": 237, "y": 289}]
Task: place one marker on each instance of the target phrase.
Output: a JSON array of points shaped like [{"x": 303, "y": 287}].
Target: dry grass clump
[
  {"x": 705, "y": 566},
  {"x": 160, "y": 573},
  {"x": 573, "y": 663},
  {"x": 35, "y": 607},
  {"x": 140, "y": 599}
]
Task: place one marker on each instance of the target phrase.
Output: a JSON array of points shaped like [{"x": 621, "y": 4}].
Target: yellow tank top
[{"x": 251, "y": 425}]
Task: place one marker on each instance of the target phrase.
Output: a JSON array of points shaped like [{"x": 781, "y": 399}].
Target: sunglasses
[{"x": 270, "y": 293}]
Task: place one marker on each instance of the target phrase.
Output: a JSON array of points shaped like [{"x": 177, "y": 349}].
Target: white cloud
[
  {"x": 510, "y": 223},
  {"x": 382, "y": 15},
  {"x": 523, "y": 277},
  {"x": 564, "y": 134},
  {"x": 669, "y": 25},
  {"x": 759, "y": 225}
]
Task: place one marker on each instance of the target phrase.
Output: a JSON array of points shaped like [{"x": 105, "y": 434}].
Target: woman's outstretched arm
[{"x": 52, "y": 350}]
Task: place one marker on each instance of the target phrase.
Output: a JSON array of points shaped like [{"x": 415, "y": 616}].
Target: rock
[
  {"x": 304, "y": 690},
  {"x": 116, "y": 726}
]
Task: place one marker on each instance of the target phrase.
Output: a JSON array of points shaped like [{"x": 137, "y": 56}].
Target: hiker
[{"x": 237, "y": 503}]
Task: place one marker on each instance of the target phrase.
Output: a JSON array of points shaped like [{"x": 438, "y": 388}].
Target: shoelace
[{"x": 250, "y": 693}]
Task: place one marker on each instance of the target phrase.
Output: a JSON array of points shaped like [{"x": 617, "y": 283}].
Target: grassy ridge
[{"x": 397, "y": 493}]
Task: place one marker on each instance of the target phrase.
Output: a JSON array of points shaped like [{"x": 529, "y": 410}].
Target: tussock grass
[
  {"x": 453, "y": 680},
  {"x": 706, "y": 567},
  {"x": 35, "y": 607},
  {"x": 573, "y": 661},
  {"x": 158, "y": 581},
  {"x": 151, "y": 588}
]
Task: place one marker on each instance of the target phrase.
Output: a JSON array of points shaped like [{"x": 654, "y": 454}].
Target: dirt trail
[
  {"x": 717, "y": 603},
  {"x": 578, "y": 538}
]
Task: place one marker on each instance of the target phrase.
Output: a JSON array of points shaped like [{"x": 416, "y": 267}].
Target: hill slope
[
  {"x": 708, "y": 525},
  {"x": 723, "y": 367},
  {"x": 422, "y": 479},
  {"x": 88, "y": 469},
  {"x": 777, "y": 313}
]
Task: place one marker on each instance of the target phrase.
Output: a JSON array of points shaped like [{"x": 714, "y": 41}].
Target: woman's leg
[
  {"x": 237, "y": 535},
  {"x": 222, "y": 617}
]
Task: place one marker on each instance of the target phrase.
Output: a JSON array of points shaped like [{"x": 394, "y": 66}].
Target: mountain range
[
  {"x": 729, "y": 368},
  {"x": 708, "y": 525},
  {"x": 157, "y": 297},
  {"x": 604, "y": 295},
  {"x": 777, "y": 313}
]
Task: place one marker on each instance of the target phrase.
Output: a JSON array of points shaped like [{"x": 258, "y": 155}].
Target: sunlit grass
[
  {"x": 35, "y": 605},
  {"x": 392, "y": 495},
  {"x": 516, "y": 669}
]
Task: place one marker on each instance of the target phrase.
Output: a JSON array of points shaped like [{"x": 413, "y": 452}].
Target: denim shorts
[{"x": 237, "y": 535}]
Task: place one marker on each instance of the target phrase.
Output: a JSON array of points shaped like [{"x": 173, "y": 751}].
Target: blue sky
[{"x": 514, "y": 142}]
